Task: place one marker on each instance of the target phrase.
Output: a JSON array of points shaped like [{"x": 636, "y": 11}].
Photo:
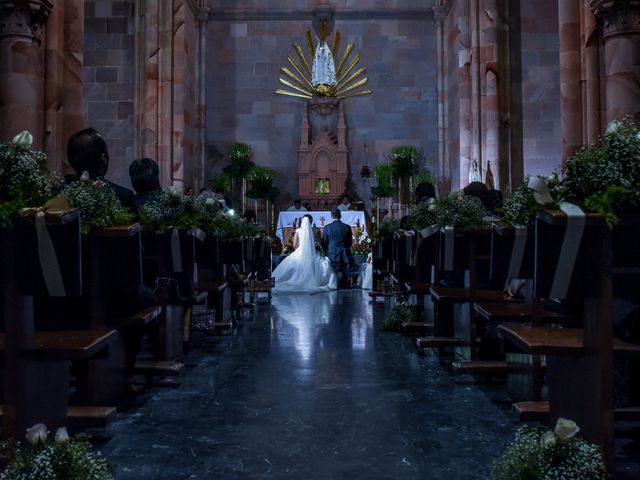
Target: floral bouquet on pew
[
  {"x": 540, "y": 454},
  {"x": 24, "y": 179},
  {"x": 400, "y": 314},
  {"x": 98, "y": 204},
  {"x": 521, "y": 206},
  {"x": 459, "y": 211},
  {"x": 171, "y": 209},
  {"x": 60, "y": 457},
  {"x": 605, "y": 178}
]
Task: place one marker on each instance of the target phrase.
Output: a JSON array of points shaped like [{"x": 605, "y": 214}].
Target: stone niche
[{"x": 322, "y": 155}]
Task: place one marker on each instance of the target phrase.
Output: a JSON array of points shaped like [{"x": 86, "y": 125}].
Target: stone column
[
  {"x": 440, "y": 14},
  {"x": 63, "y": 93},
  {"x": 570, "y": 77},
  {"x": 591, "y": 84},
  {"x": 22, "y": 67},
  {"x": 201, "y": 107},
  {"x": 621, "y": 34},
  {"x": 464, "y": 103},
  {"x": 491, "y": 66},
  {"x": 476, "y": 87}
]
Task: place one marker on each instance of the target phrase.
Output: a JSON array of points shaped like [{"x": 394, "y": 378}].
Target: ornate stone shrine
[{"x": 322, "y": 156}]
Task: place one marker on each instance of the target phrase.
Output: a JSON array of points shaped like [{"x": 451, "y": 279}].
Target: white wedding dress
[{"x": 304, "y": 271}]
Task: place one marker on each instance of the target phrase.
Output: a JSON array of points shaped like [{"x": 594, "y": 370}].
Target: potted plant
[
  {"x": 405, "y": 160},
  {"x": 241, "y": 165}
]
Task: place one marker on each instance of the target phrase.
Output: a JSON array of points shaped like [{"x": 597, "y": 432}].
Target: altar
[{"x": 288, "y": 221}]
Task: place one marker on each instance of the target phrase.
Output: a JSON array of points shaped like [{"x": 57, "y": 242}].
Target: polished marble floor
[{"x": 310, "y": 388}]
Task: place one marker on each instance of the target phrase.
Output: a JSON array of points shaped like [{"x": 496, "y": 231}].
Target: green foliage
[
  {"x": 536, "y": 454},
  {"x": 72, "y": 459},
  {"x": 605, "y": 178},
  {"x": 606, "y": 203},
  {"x": 405, "y": 160},
  {"x": 221, "y": 182},
  {"x": 384, "y": 178},
  {"x": 262, "y": 183},
  {"x": 460, "y": 211},
  {"x": 387, "y": 228},
  {"x": 230, "y": 227},
  {"x": 423, "y": 215},
  {"x": 24, "y": 180},
  {"x": 241, "y": 165},
  {"x": 98, "y": 204},
  {"x": 424, "y": 176},
  {"x": 520, "y": 207},
  {"x": 400, "y": 313}
]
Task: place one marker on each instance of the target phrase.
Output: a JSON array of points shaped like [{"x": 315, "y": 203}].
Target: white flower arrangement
[
  {"x": 53, "y": 458},
  {"x": 550, "y": 455},
  {"x": 24, "y": 179}
]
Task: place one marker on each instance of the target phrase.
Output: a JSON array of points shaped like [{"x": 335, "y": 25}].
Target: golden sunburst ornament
[{"x": 321, "y": 77}]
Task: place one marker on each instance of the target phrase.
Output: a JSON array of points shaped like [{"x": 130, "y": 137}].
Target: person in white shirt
[
  {"x": 296, "y": 207},
  {"x": 344, "y": 205}
]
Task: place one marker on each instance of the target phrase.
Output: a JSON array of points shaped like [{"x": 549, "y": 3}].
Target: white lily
[
  {"x": 565, "y": 429},
  {"x": 24, "y": 139},
  {"x": 62, "y": 436},
  {"x": 37, "y": 434}
]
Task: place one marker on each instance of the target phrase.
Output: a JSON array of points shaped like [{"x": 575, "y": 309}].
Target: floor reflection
[{"x": 300, "y": 322}]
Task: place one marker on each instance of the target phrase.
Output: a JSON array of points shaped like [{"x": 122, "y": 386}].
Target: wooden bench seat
[
  {"x": 141, "y": 318},
  {"x": 505, "y": 311},
  {"x": 539, "y": 411},
  {"x": 485, "y": 367},
  {"x": 438, "y": 342},
  {"x": 81, "y": 417},
  {"x": 464, "y": 295},
  {"x": 416, "y": 328},
  {"x": 558, "y": 341},
  {"x": 417, "y": 288},
  {"x": 68, "y": 345},
  {"x": 158, "y": 367}
]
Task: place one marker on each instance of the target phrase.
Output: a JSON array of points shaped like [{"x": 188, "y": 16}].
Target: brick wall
[
  {"x": 109, "y": 79},
  {"x": 244, "y": 59}
]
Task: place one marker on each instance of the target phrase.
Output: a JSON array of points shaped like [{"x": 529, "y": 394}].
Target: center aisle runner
[{"x": 311, "y": 389}]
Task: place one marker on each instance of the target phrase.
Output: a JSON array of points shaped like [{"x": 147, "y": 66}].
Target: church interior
[{"x": 464, "y": 173}]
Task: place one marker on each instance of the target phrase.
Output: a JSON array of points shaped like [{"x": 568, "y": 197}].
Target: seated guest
[
  {"x": 480, "y": 191},
  {"x": 225, "y": 203},
  {"x": 145, "y": 178},
  {"x": 87, "y": 152},
  {"x": 296, "y": 207},
  {"x": 344, "y": 204},
  {"x": 494, "y": 200},
  {"x": 249, "y": 216},
  {"x": 424, "y": 192},
  {"x": 307, "y": 205}
]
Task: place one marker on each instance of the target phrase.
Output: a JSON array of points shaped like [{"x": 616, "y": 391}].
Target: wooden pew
[
  {"x": 174, "y": 282},
  {"x": 36, "y": 363},
  {"x": 580, "y": 361},
  {"x": 212, "y": 256},
  {"x": 453, "y": 322}
]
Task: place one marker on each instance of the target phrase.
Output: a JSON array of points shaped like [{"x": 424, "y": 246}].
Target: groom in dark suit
[{"x": 336, "y": 242}]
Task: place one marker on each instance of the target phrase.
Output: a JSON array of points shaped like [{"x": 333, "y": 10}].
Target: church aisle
[{"x": 311, "y": 389}]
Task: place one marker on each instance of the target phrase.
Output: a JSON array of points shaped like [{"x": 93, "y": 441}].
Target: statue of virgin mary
[{"x": 323, "y": 70}]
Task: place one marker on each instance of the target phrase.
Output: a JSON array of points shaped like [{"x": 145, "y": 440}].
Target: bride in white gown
[{"x": 305, "y": 271}]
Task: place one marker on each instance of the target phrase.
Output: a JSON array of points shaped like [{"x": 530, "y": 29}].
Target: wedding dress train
[{"x": 305, "y": 271}]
